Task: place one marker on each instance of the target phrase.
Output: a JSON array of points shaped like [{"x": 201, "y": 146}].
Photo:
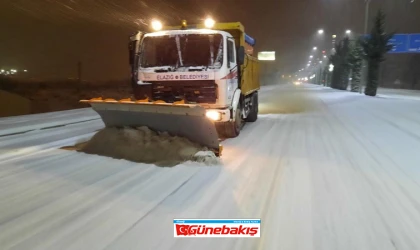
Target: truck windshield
[{"x": 186, "y": 50}]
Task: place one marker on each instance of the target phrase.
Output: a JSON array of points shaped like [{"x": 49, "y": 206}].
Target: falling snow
[{"x": 123, "y": 12}]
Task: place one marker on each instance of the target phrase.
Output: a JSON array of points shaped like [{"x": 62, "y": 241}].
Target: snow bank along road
[{"x": 323, "y": 169}]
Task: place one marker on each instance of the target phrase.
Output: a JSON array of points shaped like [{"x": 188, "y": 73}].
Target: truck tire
[
  {"x": 253, "y": 114},
  {"x": 233, "y": 128}
]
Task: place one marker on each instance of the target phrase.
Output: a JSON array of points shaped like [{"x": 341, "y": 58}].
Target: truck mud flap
[{"x": 183, "y": 120}]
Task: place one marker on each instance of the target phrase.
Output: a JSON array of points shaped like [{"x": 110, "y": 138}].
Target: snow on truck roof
[
  {"x": 249, "y": 40},
  {"x": 190, "y": 31}
]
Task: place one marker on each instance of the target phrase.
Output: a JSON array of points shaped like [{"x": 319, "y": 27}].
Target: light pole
[
  {"x": 364, "y": 65},
  {"x": 367, "y": 3}
]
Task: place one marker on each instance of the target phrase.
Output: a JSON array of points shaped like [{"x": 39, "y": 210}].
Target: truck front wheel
[{"x": 233, "y": 128}]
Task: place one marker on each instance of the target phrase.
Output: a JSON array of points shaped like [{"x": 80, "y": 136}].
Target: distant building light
[{"x": 267, "y": 56}]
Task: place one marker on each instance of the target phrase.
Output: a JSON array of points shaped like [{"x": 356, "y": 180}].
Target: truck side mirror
[
  {"x": 133, "y": 47},
  {"x": 132, "y": 51},
  {"x": 241, "y": 55}
]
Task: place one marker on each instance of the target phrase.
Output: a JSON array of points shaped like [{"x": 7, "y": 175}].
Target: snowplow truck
[{"x": 199, "y": 81}]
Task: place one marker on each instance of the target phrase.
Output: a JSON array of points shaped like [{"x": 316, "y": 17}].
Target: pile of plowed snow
[{"x": 146, "y": 146}]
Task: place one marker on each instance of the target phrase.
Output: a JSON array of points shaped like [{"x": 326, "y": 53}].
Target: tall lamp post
[
  {"x": 364, "y": 66},
  {"x": 367, "y": 3}
]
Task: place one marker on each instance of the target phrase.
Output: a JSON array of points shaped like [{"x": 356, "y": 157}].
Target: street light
[
  {"x": 348, "y": 32},
  {"x": 321, "y": 31},
  {"x": 334, "y": 36},
  {"x": 315, "y": 48},
  {"x": 311, "y": 56}
]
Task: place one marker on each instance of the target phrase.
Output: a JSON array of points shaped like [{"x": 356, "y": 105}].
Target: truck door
[{"x": 232, "y": 79}]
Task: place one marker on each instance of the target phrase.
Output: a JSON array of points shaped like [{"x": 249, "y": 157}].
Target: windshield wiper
[
  {"x": 196, "y": 68},
  {"x": 161, "y": 70},
  {"x": 165, "y": 69}
]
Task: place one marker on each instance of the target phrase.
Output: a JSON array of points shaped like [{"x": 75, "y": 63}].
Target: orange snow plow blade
[{"x": 183, "y": 120}]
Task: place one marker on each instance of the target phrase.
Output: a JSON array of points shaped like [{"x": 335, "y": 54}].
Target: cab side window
[{"x": 231, "y": 54}]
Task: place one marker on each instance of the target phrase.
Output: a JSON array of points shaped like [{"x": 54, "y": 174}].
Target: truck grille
[{"x": 190, "y": 91}]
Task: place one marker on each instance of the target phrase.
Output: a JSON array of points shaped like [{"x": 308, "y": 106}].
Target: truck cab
[{"x": 208, "y": 66}]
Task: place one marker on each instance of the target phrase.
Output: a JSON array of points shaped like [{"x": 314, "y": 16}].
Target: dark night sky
[{"x": 49, "y": 37}]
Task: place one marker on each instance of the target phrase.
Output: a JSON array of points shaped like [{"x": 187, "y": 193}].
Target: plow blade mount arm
[{"x": 182, "y": 120}]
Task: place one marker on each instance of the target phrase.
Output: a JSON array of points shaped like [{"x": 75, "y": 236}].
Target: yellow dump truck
[{"x": 197, "y": 81}]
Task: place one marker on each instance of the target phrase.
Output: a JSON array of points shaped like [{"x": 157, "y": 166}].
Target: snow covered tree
[
  {"x": 325, "y": 75},
  {"x": 355, "y": 61},
  {"x": 375, "y": 47},
  {"x": 340, "y": 60}
]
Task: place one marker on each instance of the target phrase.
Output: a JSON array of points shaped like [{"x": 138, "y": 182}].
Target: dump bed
[{"x": 250, "y": 81}]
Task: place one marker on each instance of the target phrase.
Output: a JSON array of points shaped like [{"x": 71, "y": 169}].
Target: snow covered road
[{"x": 323, "y": 169}]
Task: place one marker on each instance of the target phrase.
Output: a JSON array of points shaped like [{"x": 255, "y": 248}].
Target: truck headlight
[{"x": 214, "y": 115}]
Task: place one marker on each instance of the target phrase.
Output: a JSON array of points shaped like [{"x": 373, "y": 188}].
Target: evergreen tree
[
  {"x": 355, "y": 61},
  {"x": 335, "y": 60},
  {"x": 340, "y": 60},
  {"x": 325, "y": 76},
  {"x": 375, "y": 47}
]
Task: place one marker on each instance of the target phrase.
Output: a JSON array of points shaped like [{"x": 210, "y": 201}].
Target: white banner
[
  {"x": 176, "y": 76},
  {"x": 221, "y": 228}
]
